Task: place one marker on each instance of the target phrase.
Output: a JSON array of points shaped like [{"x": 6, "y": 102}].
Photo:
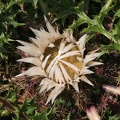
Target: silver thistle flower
[{"x": 58, "y": 59}]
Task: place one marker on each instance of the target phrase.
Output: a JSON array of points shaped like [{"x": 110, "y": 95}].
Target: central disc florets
[{"x": 63, "y": 58}]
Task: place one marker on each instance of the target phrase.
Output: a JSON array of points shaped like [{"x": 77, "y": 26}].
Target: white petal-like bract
[{"x": 93, "y": 114}]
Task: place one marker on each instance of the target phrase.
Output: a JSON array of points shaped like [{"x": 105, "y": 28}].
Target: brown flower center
[{"x": 73, "y": 59}]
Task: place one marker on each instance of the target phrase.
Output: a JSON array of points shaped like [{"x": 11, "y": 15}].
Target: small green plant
[
  {"x": 8, "y": 22},
  {"x": 115, "y": 117},
  {"x": 27, "y": 110}
]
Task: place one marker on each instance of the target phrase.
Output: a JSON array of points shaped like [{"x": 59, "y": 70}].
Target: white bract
[
  {"x": 112, "y": 89},
  {"x": 93, "y": 114},
  {"x": 58, "y": 59}
]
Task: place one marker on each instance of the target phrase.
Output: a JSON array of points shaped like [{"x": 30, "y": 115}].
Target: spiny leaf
[
  {"x": 113, "y": 46},
  {"x": 68, "y": 117},
  {"x": 64, "y": 14},
  {"x": 25, "y": 105},
  {"x": 12, "y": 98},
  {"x": 98, "y": 29},
  {"x": 41, "y": 116},
  {"x": 31, "y": 109},
  {"x": 34, "y": 2},
  {"x": 83, "y": 18},
  {"x": 51, "y": 113}
]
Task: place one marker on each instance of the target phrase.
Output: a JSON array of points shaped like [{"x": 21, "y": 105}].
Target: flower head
[{"x": 58, "y": 59}]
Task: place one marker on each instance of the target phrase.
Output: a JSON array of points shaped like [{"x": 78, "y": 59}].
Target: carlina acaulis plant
[{"x": 58, "y": 59}]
